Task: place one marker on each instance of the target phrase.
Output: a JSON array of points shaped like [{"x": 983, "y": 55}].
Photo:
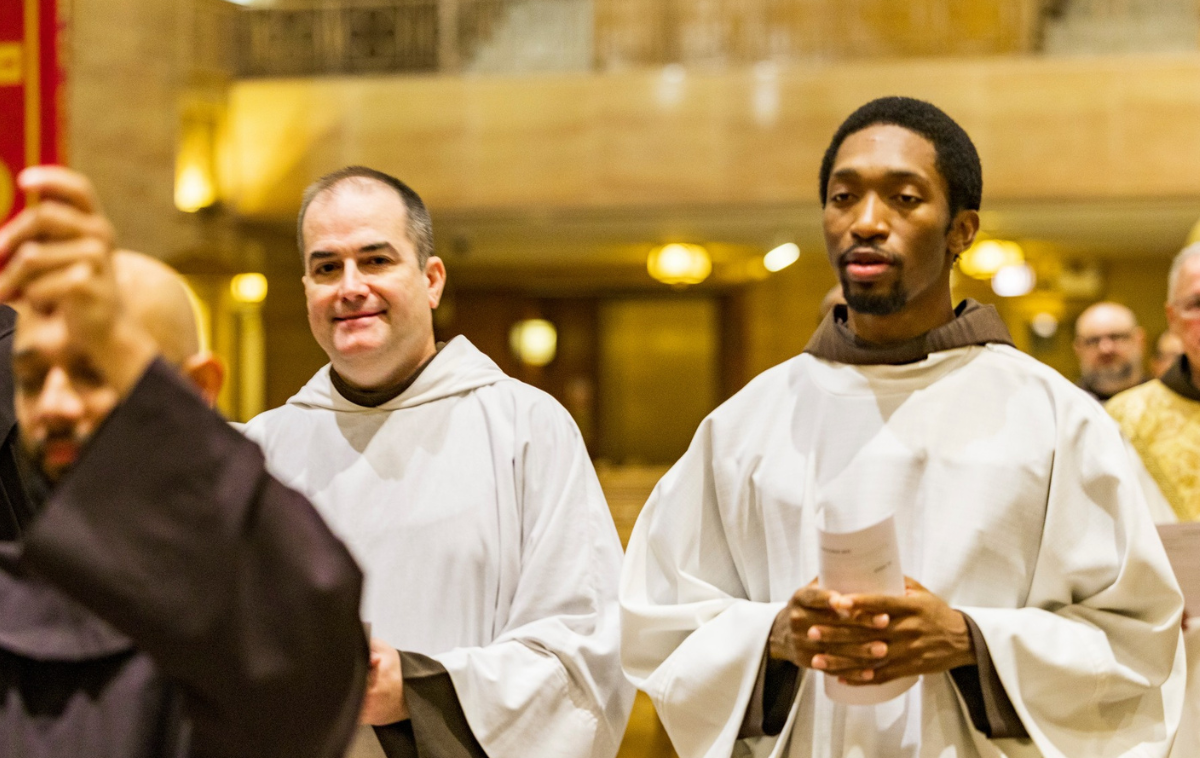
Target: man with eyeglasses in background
[
  {"x": 1111, "y": 349},
  {"x": 1161, "y": 418}
]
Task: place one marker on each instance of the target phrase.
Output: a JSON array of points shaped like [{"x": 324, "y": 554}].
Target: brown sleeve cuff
[
  {"x": 437, "y": 727},
  {"x": 988, "y": 704},
  {"x": 771, "y": 701}
]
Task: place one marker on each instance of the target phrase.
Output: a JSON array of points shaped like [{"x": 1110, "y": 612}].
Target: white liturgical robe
[
  {"x": 1015, "y": 501},
  {"x": 471, "y": 504}
]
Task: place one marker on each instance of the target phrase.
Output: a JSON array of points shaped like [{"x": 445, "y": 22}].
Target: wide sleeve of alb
[
  {"x": 1093, "y": 664},
  {"x": 690, "y": 639},
  {"x": 550, "y": 684},
  {"x": 170, "y": 529}
]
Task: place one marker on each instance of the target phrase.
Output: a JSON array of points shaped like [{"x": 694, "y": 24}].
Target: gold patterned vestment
[{"x": 1161, "y": 418}]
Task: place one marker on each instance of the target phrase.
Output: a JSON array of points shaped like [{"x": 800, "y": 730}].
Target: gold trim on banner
[
  {"x": 7, "y": 190},
  {"x": 12, "y": 68},
  {"x": 33, "y": 84}
]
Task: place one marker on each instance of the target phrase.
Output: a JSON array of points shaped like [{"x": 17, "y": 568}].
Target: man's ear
[
  {"x": 962, "y": 233},
  {"x": 435, "y": 279},
  {"x": 206, "y": 371}
]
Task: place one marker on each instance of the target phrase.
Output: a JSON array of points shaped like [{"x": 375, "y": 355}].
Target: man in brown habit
[{"x": 160, "y": 594}]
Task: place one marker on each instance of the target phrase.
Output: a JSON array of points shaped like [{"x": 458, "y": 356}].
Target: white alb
[
  {"x": 1015, "y": 501},
  {"x": 471, "y": 504}
]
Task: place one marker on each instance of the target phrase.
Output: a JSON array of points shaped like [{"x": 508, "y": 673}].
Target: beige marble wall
[{"x": 126, "y": 73}]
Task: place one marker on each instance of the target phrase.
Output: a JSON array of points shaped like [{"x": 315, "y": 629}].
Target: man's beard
[
  {"x": 1112, "y": 379},
  {"x": 35, "y": 450},
  {"x": 873, "y": 303}
]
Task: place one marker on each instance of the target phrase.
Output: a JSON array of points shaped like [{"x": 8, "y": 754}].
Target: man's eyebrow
[
  {"x": 375, "y": 247},
  {"x": 321, "y": 255},
  {"x": 894, "y": 174}
]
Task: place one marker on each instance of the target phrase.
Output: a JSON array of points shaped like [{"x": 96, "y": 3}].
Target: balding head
[
  {"x": 1111, "y": 349},
  {"x": 159, "y": 299},
  {"x": 1105, "y": 318}
]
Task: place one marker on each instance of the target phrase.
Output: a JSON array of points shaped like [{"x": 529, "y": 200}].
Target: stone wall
[{"x": 126, "y": 73}]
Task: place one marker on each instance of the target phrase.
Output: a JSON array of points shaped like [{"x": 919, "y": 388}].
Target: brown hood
[
  {"x": 1179, "y": 379},
  {"x": 974, "y": 324}
]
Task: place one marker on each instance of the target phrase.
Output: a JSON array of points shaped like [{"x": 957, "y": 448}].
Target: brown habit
[{"x": 169, "y": 598}]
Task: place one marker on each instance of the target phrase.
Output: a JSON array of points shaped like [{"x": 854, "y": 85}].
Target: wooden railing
[
  {"x": 315, "y": 37},
  {"x": 398, "y": 35},
  {"x": 632, "y": 32}
]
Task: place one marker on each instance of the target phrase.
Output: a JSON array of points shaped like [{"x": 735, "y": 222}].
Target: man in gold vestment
[{"x": 1162, "y": 417}]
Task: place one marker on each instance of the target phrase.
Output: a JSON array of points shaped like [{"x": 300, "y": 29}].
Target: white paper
[
  {"x": 866, "y": 561},
  {"x": 1182, "y": 542}
]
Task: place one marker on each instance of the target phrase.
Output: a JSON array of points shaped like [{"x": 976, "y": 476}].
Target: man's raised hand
[{"x": 57, "y": 271}]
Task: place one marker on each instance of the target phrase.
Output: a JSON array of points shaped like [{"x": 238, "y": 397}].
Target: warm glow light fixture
[
  {"x": 1014, "y": 281},
  {"x": 249, "y": 288},
  {"x": 1044, "y": 325},
  {"x": 193, "y": 189},
  {"x": 679, "y": 264},
  {"x": 534, "y": 341},
  {"x": 986, "y": 257},
  {"x": 781, "y": 257},
  {"x": 195, "y": 162}
]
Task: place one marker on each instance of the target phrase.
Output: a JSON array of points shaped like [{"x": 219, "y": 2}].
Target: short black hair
[
  {"x": 957, "y": 159},
  {"x": 420, "y": 226}
]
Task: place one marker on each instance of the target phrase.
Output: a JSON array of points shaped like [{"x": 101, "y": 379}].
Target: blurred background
[{"x": 624, "y": 191}]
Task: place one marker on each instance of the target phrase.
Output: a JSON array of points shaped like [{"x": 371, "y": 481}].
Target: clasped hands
[{"x": 871, "y": 639}]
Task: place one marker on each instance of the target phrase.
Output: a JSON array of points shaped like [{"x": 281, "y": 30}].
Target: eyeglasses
[
  {"x": 1188, "y": 309},
  {"x": 1117, "y": 338}
]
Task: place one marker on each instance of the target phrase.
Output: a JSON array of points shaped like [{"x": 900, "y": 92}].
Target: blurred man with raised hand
[
  {"x": 1111, "y": 349},
  {"x": 1040, "y": 615},
  {"x": 160, "y": 594},
  {"x": 1162, "y": 417},
  {"x": 468, "y": 498}
]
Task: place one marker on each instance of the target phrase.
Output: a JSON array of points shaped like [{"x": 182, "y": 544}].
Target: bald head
[
  {"x": 62, "y": 395},
  {"x": 1104, "y": 318},
  {"x": 1111, "y": 349},
  {"x": 156, "y": 296}
]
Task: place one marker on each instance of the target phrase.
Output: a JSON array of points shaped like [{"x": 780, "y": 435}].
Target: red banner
[{"x": 30, "y": 92}]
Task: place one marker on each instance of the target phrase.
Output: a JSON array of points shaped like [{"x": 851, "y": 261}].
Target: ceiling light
[
  {"x": 983, "y": 259},
  {"x": 782, "y": 257},
  {"x": 1014, "y": 281},
  {"x": 534, "y": 341},
  {"x": 679, "y": 264}
]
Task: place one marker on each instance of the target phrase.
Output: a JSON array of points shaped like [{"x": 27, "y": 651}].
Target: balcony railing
[
  {"x": 747, "y": 31},
  {"x": 400, "y": 35},
  {"x": 315, "y": 37}
]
